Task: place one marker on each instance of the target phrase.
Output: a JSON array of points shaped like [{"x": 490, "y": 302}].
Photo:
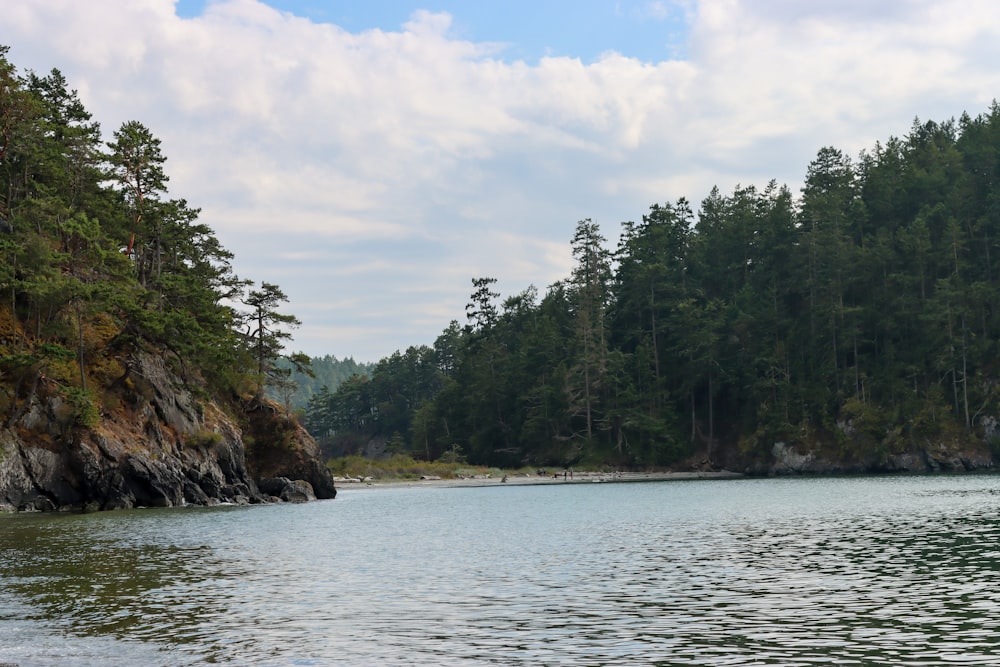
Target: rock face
[
  {"x": 161, "y": 447},
  {"x": 786, "y": 458},
  {"x": 283, "y": 448}
]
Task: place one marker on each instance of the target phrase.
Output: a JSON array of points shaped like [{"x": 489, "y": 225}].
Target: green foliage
[
  {"x": 98, "y": 262},
  {"x": 325, "y": 372},
  {"x": 265, "y": 335},
  {"x": 403, "y": 467},
  {"x": 85, "y": 412},
  {"x": 203, "y": 438},
  {"x": 453, "y": 456},
  {"x": 863, "y": 315}
]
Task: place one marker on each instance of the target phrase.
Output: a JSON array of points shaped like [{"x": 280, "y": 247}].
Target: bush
[
  {"x": 84, "y": 409},
  {"x": 403, "y": 467},
  {"x": 203, "y": 438}
]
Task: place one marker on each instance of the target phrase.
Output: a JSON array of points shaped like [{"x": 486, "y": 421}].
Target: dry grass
[{"x": 402, "y": 467}]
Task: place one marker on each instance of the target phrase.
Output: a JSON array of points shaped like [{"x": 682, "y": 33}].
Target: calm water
[{"x": 873, "y": 571}]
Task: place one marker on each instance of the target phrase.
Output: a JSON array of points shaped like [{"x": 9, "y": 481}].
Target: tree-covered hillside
[
  {"x": 324, "y": 373},
  {"x": 98, "y": 261},
  {"x": 862, "y": 316}
]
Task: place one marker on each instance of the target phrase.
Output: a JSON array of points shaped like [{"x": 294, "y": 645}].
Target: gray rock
[
  {"x": 292, "y": 491},
  {"x": 299, "y": 491},
  {"x": 163, "y": 448}
]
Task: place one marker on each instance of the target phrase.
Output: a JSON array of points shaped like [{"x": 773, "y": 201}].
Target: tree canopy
[
  {"x": 98, "y": 261},
  {"x": 862, "y": 312}
]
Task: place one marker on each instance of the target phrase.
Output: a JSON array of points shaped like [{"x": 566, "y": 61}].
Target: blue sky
[
  {"x": 372, "y": 158},
  {"x": 649, "y": 31}
]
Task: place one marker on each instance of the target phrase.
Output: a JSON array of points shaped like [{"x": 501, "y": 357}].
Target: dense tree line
[
  {"x": 98, "y": 261},
  {"x": 324, "y": 373},
  {"x": 863, "y": 313}
]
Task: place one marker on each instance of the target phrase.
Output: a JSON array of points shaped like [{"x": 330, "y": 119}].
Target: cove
[{"x": 791, "y": 571}]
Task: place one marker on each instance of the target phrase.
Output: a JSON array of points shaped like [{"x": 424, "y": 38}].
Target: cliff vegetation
[{"x": 133, "y": 361}]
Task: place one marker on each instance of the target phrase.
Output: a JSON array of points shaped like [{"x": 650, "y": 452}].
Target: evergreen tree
[
  {"x": 98, "y": 262},
  {"x": 863, "y": 315},
  {"x": 266, "y": 334},
  {"x": 589, "y": 294}
]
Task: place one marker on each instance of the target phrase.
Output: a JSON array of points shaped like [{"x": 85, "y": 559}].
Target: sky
[{"x": 373, "y": 157}]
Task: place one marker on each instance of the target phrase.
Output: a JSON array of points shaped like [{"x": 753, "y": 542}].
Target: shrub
[
  {"x": 403, "y": 467},
  {"x": 203, "y": 438},
  {"x": 84, "y": 409}
]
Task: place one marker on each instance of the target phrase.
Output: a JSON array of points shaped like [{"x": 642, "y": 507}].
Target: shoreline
[{"x": 345, "y": 484}]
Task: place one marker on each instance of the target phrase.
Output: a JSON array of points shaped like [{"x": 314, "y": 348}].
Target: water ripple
[{"x": 892, "y": 571}]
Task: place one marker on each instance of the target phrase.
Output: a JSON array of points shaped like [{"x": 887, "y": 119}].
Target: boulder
[{"x": 292, "y": 491}]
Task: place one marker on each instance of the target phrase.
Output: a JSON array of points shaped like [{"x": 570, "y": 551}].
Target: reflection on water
[{"x": 790, "y": 572}]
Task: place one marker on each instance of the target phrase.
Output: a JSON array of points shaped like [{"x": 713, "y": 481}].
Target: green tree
[
  {"x": 136, "y": 164},
  {"x": 266, "y": 333},
  {"x": 589, "y": 294},
  {"x": 651, "y": 280}
]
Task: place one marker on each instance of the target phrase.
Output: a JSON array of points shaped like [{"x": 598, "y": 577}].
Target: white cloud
[
  {"x": 657, "y": 10},
  {"x": 382, "y": 170}
]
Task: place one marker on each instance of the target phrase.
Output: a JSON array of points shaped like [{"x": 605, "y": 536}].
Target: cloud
[
  {"x": 379, "y": 171},
  {"x": 657, "y": 10}
]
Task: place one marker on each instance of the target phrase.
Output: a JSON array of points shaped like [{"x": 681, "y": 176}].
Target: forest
[
  {"x": 301, "y": 383},
  {"x": 98, "y": 262},
  {"x": 860, "y": 315}
]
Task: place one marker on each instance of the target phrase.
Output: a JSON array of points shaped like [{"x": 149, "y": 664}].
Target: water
[{"x": 866, "y": 571}]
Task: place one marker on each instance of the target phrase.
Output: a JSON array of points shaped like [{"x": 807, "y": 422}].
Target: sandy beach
[{"x": 349, "y": 484}]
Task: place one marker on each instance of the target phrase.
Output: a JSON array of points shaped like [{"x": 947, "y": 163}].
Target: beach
[{"x": 348, "y": 484}]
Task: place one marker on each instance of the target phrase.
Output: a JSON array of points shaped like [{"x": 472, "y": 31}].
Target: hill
[
  {"x": 126, "y": 377},
  {"x": 324, "y": 373},
  {"x": 851, "y": 327}
]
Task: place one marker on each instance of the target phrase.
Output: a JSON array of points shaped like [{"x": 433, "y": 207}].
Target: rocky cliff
[
  {"x": 158, "y": 446},
  {"x": 847, "y": 449}
]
